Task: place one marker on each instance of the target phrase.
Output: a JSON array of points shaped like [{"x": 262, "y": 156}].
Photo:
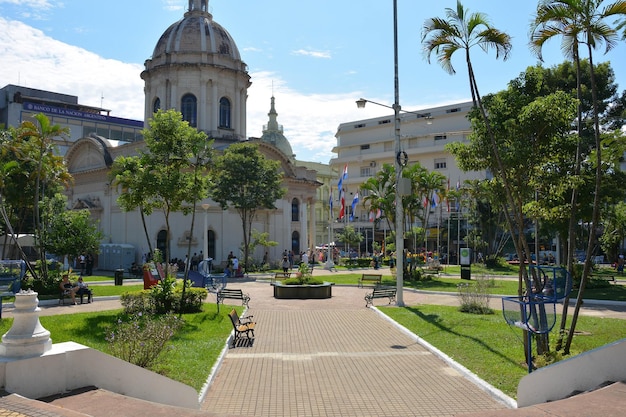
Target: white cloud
[
  {"x": 33, "y": 59},
  {"x": 36, "y": 4},
  {"x": 314, "y": 54}
]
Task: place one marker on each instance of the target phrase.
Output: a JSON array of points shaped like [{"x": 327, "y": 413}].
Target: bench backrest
[
  {"x": 371, "y": 277},
  {"x": 234, "y": 317},
  {"x": 11, "y": 274},
  {"x": 384, "y": 290},
  {"x": 225, "y": 292}
]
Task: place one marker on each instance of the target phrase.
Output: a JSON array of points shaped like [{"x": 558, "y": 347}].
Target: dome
[
  {"x": 195, "y": 33},
  {"x": 273, "y": 133}
]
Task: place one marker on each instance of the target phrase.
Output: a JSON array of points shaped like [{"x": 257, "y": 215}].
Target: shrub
[
  {"x": 475, "y": 296},
  {"x": 156, "y": 301},
  {"x": 142, "y": 337}
]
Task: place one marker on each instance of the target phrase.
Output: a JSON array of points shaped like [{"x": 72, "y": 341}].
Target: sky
[{"x": 316, "y": 57}]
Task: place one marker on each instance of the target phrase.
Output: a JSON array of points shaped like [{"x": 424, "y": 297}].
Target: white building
[
  {"x": 196, "y": 69},
  {"x": 365, "y": 145}
]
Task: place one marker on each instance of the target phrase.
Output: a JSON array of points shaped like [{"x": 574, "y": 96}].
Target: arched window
[
  {"x": 156, "y": 105},
  {"x": 295, "y": 210},
  {"x": 295, "y": 242},
  {"x": 211, "y": 243},
  {"x": 162, "y": 243},
  {"x": 189, "y": 109},
  {"x": 225, "y": 113}
]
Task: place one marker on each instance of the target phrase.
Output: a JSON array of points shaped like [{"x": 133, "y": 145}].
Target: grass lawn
[
  {"x": 191, "y": 353},
  {"x": 485, "y": 345}
]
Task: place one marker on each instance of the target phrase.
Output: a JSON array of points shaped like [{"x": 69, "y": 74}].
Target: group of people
[
  {"x": 85, "y": 263},
  {"x": 72, "y": 289}
]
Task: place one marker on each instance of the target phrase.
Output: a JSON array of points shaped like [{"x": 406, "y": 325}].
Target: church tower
[{"x": 196, "y": 69}]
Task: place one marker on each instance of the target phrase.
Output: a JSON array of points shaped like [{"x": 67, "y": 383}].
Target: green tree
[
  {"x": 380, "y": 193},
  {"x": 69, "y": 232},
  {"x": 49, "y": 170},
  {"x": 129, "y": 176},
  {"x": 461, "y": 31},
  {"x": 171, "y": 162},
  {"x": 247, "y": 181},
  {"x": 581, "y": 22},
  {"x": 350, "y": 236}
]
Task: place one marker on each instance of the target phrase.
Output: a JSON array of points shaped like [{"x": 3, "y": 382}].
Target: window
[
  {"x": 366, "y": 172},
  {"x": 225, "y": 113},
  {"x": 211, "y": 243},
  {"x": 189, "y": 109},
  {"x": 365, "y": 147},
  {"x": 156, "y": 105},
  {"x": 295, "y": 242},
  {"x": 441, "y": 137},
  {"x": 162, "y": 243},
  {"x": 295, "y": 210},
  {"x": 440, "y": 163}
]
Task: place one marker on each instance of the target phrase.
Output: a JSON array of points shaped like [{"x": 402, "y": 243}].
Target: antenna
[{"x": 101, "y": 98}]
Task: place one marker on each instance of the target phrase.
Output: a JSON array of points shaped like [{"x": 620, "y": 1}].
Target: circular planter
[{"x": 303, "y": 292}]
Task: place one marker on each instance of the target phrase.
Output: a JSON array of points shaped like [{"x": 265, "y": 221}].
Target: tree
[
  {"x": 49, "y": 170},
  {"x": 350, "y": 236},
  {"x": 171, "y": 162},
  {"x": 581, "y": 22},
  {"x": 380, "y": 193},
  {"x": 245, "y": 180},
  {"x": 462, "y": 31},
  {"x": 128, "y": 174},
  {"x": 69, "y": 232}
]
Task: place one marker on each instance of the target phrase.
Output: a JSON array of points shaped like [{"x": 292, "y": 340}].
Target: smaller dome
[
  {"x": 273, "y": 134},
  {"x": 196, "y": 32}
]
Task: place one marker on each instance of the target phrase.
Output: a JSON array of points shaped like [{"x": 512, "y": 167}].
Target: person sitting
[
  {"x": 68, "y": 288},
  {"x": 83, "y": 289}
]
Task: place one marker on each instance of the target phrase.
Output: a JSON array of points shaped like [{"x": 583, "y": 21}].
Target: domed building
[{"x": 196, "y": 69}]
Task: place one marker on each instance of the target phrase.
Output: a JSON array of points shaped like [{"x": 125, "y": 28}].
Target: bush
[
  {"x": 165, "y": 299},
  {"x": 475, "y": 296},
  {"x": 140, "y": 338}
]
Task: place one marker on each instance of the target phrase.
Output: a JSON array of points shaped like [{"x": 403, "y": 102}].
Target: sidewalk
[{"x": 329, "y": 357}]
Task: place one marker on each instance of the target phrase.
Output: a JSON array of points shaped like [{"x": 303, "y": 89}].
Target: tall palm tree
[
  {"x": 50, "y": 168},
  {"x": 580, "y": 22},
  {"x": 461, "y": 31}
]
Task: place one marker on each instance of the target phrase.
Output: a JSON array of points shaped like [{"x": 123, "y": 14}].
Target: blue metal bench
[{"x": 11, "y": 274}]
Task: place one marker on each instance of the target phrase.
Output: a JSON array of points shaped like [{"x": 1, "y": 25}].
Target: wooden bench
[
  {"x": 280, "y": 276},
  {"x": 242, "y": 326},
  {"x": 375, "y": 278},
  {"x": 231, "y": 294},
  {"x": 380, "y": 292}
]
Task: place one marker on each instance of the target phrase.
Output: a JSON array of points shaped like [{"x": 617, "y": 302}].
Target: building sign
[{"x": 64, "y": 112}]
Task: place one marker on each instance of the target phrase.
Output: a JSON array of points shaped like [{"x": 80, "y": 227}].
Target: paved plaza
[{"x": 331, "y": 357}]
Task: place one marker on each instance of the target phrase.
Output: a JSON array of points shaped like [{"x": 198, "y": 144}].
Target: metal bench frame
[
  {"x": 381, "y": 292},
  {"x": 233, "y": 294},
  {"x": 376, "y": 278},
  {"x": 241, "y": 326}
]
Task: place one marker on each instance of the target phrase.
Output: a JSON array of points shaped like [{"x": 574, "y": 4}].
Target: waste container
[
  {"x": 119, "y": 276},
  {"x": 466, "y": 272}
]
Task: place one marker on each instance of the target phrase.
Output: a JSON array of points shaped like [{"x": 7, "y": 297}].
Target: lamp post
[
  {"x": 205, "y": 238},
  {"x": 399, "y": 164}
]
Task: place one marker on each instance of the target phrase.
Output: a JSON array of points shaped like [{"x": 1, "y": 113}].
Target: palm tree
[
  {"x": 580, "y": 22},
  {"x": 50, "y": 168},
  {"x": 461, "y": 30}
]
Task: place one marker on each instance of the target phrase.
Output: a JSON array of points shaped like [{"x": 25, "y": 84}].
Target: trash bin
[
  {"x": 466, "y": 272},
  {"x": 119, "y": 276}
]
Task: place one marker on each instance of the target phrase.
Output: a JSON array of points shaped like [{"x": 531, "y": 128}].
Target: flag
[
  {"x": 355, "y": 201},
  {"x": 435, "y": 199},
  {"x": 330, "y": 200},
  {"x": 342, "y": 209},
  {"x": 448, "y": 197},
  {"x": 379, "y": 213},
  {"x": 371, "y": 216},
  {"x": 343, "y": 176},
  {"x": 458, "y": 187}
]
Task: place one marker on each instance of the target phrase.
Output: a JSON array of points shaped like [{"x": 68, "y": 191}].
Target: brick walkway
[{"x": 325, "y": 358}]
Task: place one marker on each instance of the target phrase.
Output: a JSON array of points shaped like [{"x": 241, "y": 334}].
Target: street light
[
  {"x": 401, "y": 161},
  {"x": 205, "y": 238},
  {"x": 360, "y": 103}
]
